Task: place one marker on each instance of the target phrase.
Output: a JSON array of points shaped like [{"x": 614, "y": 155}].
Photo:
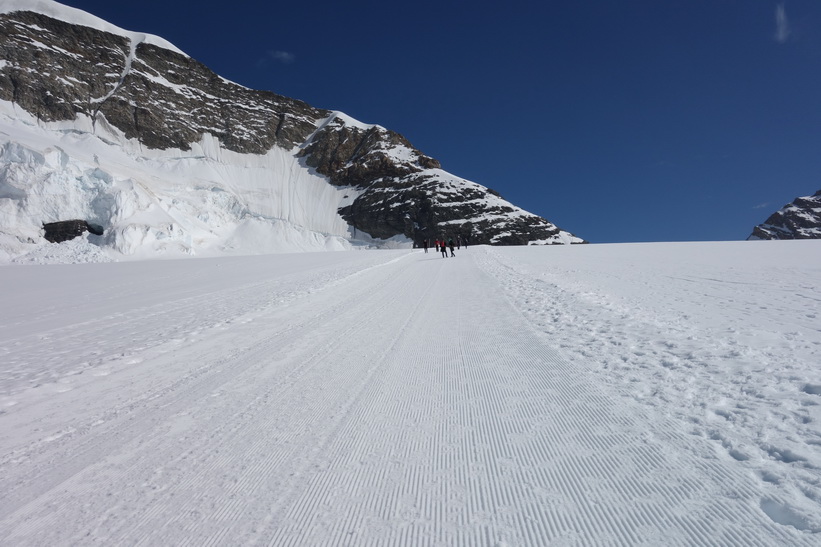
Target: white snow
[
  {"x": 159, "y": 203},
  {"x": 344, "y": 119},
  {"x": 588, "y": 395}
]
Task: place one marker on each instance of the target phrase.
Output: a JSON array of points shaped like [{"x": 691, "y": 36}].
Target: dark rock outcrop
[
  {"x": 800, "y": 219},
  {"x": 65, "y": 230},
  {"x": 353, "y": 156}
]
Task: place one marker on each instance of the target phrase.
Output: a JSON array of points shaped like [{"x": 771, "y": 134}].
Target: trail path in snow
[{"x": 395, "y": 398}]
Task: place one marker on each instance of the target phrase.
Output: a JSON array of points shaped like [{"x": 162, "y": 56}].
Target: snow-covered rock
[
  {"x": 125, "y": 131},
  {"x": 800, "y": 219}
]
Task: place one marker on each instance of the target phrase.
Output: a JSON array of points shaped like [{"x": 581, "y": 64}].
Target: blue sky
[{"x": 618, "y": 120}]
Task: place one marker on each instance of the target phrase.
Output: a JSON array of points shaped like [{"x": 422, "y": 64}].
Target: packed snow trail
[{"x": 392, "y": 398}]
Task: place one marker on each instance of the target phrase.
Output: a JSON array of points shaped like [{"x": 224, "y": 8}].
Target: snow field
[
  {"x": 724, "y": 337},
  {"x": 399, "y": 398}
]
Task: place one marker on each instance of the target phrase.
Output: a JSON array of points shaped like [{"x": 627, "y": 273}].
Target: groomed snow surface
[{"x": 644, "y": 394}]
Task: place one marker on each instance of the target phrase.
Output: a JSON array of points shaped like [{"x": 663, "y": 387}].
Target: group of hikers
[{"x": 443, "y": 246}]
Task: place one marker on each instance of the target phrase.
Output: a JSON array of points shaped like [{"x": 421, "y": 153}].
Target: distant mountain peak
[{"x": 800, "y": 219}]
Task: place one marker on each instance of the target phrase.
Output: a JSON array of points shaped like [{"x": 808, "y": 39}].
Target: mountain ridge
[
  {"x": 799, "y": 219},
  {"x": 144, "y": 91}
]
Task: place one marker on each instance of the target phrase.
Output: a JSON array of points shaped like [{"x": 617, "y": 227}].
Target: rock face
[
  {"x": 61, "y": 72},
  {"x": 57, "y": 71},
  {"x": 406, "y": 192},
  {"x": 800, "y": 219},
  {"x": 65, "y": 230}
]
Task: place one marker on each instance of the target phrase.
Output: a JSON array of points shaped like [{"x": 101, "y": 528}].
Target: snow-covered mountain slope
[
  {"x": 125, "y": 131},
  {"x": 206, "y": 200},
  {"x": 800, "y": 219},
  {"x": 644, "y": 394}
]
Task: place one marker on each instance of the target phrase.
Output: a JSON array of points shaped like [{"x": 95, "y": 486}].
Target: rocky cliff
[
  {"x": 69, "y": 72},
  {"x": 56, "y": 71},
  {"x": 800, "y": 219}
]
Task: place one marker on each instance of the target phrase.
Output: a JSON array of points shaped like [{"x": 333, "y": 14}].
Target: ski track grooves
[
  {"x": 715, "y": 511},
  {"x": 391, "y": 407},
  {"x": 207, "y": 371}
]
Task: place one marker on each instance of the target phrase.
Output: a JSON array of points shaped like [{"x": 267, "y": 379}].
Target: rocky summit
[
  {"x": 79, "y": 74},
  {"x": 800, "y": 219}
]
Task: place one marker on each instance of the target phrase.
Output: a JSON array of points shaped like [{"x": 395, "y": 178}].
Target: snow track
[{"x": 392, "y": 398}]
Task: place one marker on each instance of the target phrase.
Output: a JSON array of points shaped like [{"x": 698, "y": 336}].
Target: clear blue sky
[{"x": 618, "y": 120}]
